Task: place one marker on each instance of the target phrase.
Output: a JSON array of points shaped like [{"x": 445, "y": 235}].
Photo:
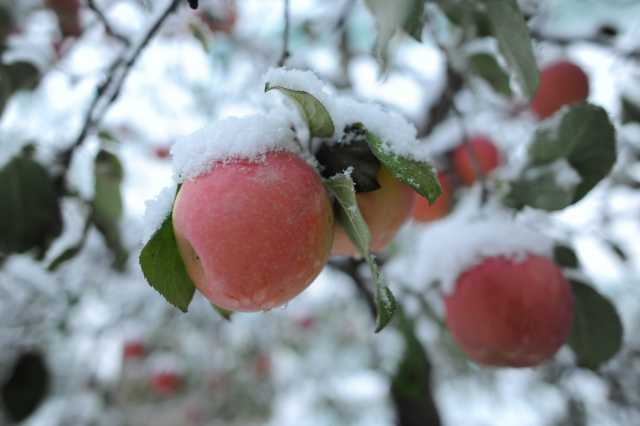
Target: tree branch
[
  {"x": 285, "y": 35},
  {"x": 107, "y": 92},
  {"x": 107, "y": 25},
  {"x": 351, "y": 267},
  {"x": 439, "y": 111}
]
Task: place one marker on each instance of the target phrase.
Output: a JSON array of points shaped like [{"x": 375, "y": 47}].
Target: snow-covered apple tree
[{"x": 252, "y": 212}]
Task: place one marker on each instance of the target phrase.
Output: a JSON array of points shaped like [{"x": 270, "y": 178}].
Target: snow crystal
[
  {"x": 157, "y": 210},
  {"x": 231, "y": 138},
  {"x": 450, "y": 246},
  {"x": 396, "y": 132}
]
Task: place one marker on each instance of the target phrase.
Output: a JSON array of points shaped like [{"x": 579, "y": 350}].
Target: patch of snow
[{"x": 157, "y": 210}]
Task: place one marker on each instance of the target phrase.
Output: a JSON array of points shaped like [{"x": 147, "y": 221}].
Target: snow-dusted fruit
[
  {"x": 562, "y": 83},
  {"x": 385, "y": 210},
  {"x": 254, "y": 233},
  {"x": 134, "y": 349},
  {"x": 425, "y": 212},
  {"x": 510, "y": 312},
  {"x": 165, "y": 383},
  {"x": 478, "y": 152}
]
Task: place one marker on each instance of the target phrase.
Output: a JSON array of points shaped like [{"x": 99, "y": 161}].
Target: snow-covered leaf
[
  {"x": 542, "y": 192},
  {"x": 486, "y": 67},
  {"x": 314, "y": 113},
  {"x": 417, "y": 174},
  {"x": 343, "y": 189}
]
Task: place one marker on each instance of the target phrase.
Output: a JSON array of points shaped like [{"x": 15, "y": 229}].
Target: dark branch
[
  {"x": 107, "y": 92},
  {"x": 285, "y": 35},
  {"x": 344, "y": 14},
  {"x": 107, "y": 25},
  {"x": 440, "y": 110},
  {"x": 351, "y": 267}
]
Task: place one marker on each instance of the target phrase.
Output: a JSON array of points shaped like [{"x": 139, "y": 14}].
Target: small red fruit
[
  {"x": 133, "y": 350},
  {"x": 165, "y": 383},
  {"x": 477, "y": 152},
  {"x": 68, "y": 14},
  {"x": 424, "y": 212},
  {"x": 562, "y": 83},
  {"x": 254, "y": 234},
  {"x": 161, "y": 152},
  {"x": 508, "y": 313}
]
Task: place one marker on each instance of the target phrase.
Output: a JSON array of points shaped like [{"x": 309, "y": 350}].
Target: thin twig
[
  {"x": 285, "y": 35},
  {"x": 440, "y": 110},
  {"x": 107, "y": 92},
  {"x": 351, "y": 267},
  {"x": 344, "y": 14},
  {"x": 107, "y": 25}
]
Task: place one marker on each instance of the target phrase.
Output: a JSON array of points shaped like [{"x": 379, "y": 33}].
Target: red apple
[
  {"x": 166, "y": 383},
  {"x": 254, "y": 234},
  {"x": 161, "y": 152},
  {"x": 476, "y": 152},
  {"x": 509, "y": 313},
  {"x": 221, "y": 18},
  {"x": 562, "y": 83},
  {"x": 133, "y": 350},
  {"x": 425, "y": 212},
  {"x": 385, "y": 210}
]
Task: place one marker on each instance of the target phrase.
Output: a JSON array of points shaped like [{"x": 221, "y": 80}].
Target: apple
[
  {"x": 165, "y": 383},
  {"x": 485, "y": 156},
  {"x": 510, "y": 313},
  {"x": 385, "y": 210},
  {"x": 161, "y": 152},
  {"x": 254, "y": 234},
  {"x": 133, "y": 350},
  {"x": 424, "y": 212},
  {"x": 561, "y": 83},
  {"x": 220, "y": 17}
]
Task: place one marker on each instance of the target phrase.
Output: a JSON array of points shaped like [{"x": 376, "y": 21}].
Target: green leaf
[
  {"x": 414, "y": 24},
  {"x": 630, "y": 110},
  {"x": 597, "y": 330},
  {"x": 351, "y": 152},
  {"x": 107, "y": 137},
  {"x": 486, "y": 67},
  {"x": 512, "y": 34},
  {"x": 23, "y": 75},
  {"x": 30, "y": 215},
  {"x": 224, "y": 313},
  {"x": 583, "y": 135},
  {"x": 164, "y": 268},
  {"x": 107, "y": 204},
  {"x": 565, "y": 256},
  {"x": 417, "y": 174},
  {"x": 542, "y": 192},
  {"x": 349, "y": 216},
  {"x": 25, "y": 386},
  {"x": 314, "y": 113},
  {"x": 411, "y": 389}
]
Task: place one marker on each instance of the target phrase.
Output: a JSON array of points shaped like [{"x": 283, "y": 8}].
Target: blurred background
[{"x": 85, "y": 341}]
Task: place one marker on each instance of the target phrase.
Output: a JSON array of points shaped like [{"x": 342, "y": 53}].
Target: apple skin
[
  {"x": 385, "y": 210},
  {"x": 424, "y": 212},
  {"x": 561, "y": 83},
  {"x": 505, "y": 313},
  {"x": 486, "y": 154},
  {"x": 165, "y": 383},
  {"x": 134, "y": 350},
  {"x": 253, "y": 235}
]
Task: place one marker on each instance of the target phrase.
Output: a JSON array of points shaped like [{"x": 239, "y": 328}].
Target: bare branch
[
  {"x": 351, "y": 267},
  {"x": 107, "y": 25},
  {"x": 285, "y": 35},
  {"x": 107, "y": 92}
]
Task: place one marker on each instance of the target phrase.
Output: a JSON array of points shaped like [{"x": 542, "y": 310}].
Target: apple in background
[
  {"x": 166, "y": 383},
  {"x": 385, "y": 210},
  {"x": 478, "y": 151},
  {"x": 221, "y": 16},
  {"x": 262, "y": 365},
  {"x": 161, "y": 152},
  {"x": 561, "y": 83},
  {"x": 509, "y": 313},
  {"x": 254, "y": 234},
  {"x": 424, "y": 212},
  {"x": 134, "y": 350},
  {"x": 305, "y": 323},
  {"x": 68, "y": 14}
]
